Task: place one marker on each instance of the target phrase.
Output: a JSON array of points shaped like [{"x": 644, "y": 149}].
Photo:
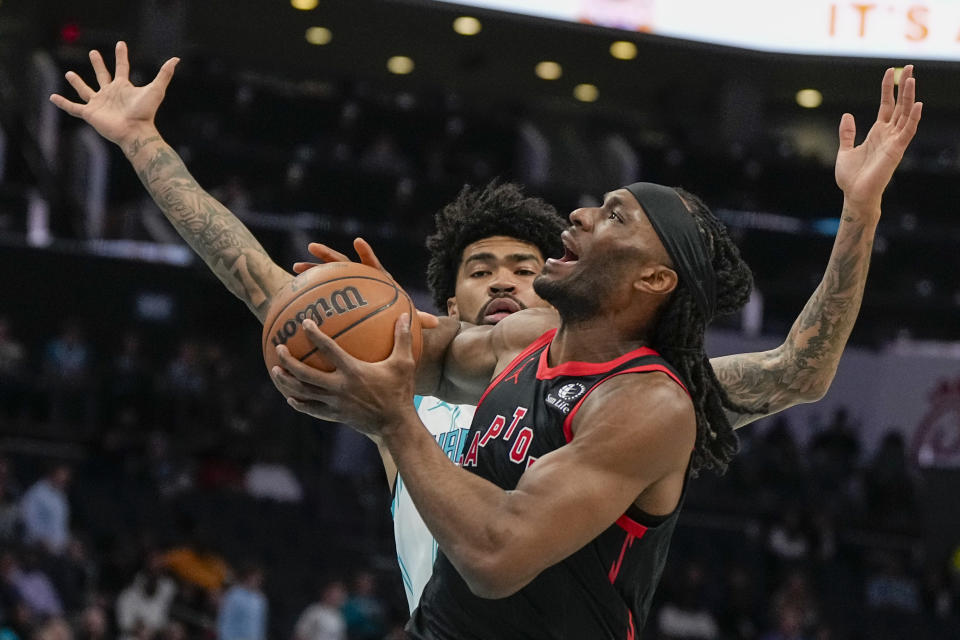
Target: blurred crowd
[{"x": 169, "y": 493}]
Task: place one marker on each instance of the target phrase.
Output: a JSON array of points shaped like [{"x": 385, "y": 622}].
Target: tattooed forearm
[
  {"x": 214, "y": 233},
  {"x": 802, "y": 368},
  {"x": 138, "y": 144}
]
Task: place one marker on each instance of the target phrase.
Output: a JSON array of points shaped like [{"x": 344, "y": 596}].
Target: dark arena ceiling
[{"x": 496, "y": 64}]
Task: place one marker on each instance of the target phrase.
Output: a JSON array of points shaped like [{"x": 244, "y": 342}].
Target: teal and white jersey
[{"x": 416, "y": 548}]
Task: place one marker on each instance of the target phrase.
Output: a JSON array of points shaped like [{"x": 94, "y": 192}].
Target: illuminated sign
[{"x": 902, "y": 29}]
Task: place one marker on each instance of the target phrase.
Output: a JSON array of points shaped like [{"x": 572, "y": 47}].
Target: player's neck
[{"x": 592, "y": 342}]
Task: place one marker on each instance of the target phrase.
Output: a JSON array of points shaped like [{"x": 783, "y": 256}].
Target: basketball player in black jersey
[
  {"x": 503, "y": 533},
  {"x": 558, "y": 523}
]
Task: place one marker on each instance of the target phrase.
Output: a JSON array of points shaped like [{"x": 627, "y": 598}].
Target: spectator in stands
[
  {"x": 890, "y": 588},
  {"x": 197, "y": 563},
  {"x": 186, "y": 384},
  {"x": 32, "y": 584},
  {"x": 169, "y": 474},
  {"x": 243, "y": 612},
  {"x": 46, "y": 510},
  {"x": 271, "y": 479},
  {"x": 363, "y": 611},
  {"x": 9, "y": 504},
  {"x": 685, "y": 613},
  {"x": 789, "y": 542},
  {"x": 74, "y": 574},
  {"x": 789, "y": 625},
  {"x": 17, "y": 621},
  {"x": 12, "y": 380},
  {"x": 173, "y": 631},
  {"x": 144, "y": 605},
  {"x": 323, "y": 620},
  {"x": 739, "y": 612},
  {"x": 92, "y": 624},
  {"x": 889, "y": 486},
  {"x": 68, "y": 361},
  {"x": 54, "y": 629},
  {"x": 796, "y": 594},
  {"x": 129, "y": 384},
  {"x": 833, "y": 457},
  {"x": 781, "y": 468}
]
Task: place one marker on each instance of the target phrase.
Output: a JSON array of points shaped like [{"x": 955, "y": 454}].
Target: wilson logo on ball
[{"x": 339, "y": 302}]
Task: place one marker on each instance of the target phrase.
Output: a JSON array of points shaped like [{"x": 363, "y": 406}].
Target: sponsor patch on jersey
[
  {"x": 571, "y": 391},
  {"x": 566, "y": 397}
]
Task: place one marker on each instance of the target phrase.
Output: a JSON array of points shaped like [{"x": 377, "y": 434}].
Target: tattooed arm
[
  {"x": 214, "y": 233},
  {"x": 124, "y": 114},
  {"x": 802, "y": 368}
]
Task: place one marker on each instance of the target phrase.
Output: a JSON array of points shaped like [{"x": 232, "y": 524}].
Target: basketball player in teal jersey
[{"x": 800, "y": 370}]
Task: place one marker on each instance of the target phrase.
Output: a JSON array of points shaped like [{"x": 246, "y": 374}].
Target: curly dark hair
[
  {"x": 679, "y": 334},
  {"x": 499, "y": 209}
]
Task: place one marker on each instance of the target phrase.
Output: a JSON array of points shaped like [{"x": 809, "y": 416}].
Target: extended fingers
[
  {"x": 122, "y": 70},
  {"x": 326, "y": 347},
  {"x": 103, "y": 76},
  {"x": 315, "y": 409},
  {"x": 82, "y": 88},
  {"x": 300, "y": 267},
  {"x": 887, "y": 102},
  {"x": 402, "y": 341},
  {"x": 165, "y": 75},
  {"x": 906, "y": 94},
  {"x": 367, "y": 255},
  {"x": 73, "y": 108},
  {"x": 292, "y": 387},
  {"x": 325, "y": 253},
  {"x": 848, "y": 132},
  {"x": 910, "y": 122}
]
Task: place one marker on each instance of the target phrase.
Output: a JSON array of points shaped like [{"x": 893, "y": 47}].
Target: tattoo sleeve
[
  {"x": 211, "y": 230},
  {"x": 802, "y": 368}
]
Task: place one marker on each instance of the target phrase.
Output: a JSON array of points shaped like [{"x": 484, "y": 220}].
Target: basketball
[{"x": 354, "y": 304}]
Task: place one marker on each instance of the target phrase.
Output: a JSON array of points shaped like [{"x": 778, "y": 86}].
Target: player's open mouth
[
  {"x": 570, "y": 256},
  {"x": 499, "y": 308}
]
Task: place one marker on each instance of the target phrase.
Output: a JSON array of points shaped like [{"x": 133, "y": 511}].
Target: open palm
[
  {"x": 118, "y": 110},
  {"x": 863, "y": 171}
]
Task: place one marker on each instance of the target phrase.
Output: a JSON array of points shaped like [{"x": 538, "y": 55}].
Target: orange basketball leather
[{"x": 355, "y": 304}]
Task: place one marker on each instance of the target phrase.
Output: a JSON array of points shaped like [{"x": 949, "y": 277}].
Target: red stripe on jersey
[
  {"x": 573, "y": 368},
  {"x": 615, "y": 567},
  {"x": 632, "y": 629},
  {"x": 568, "y": 422},
  {"x": 631, "y": 526},
  {"x": 536, "y": 344}
]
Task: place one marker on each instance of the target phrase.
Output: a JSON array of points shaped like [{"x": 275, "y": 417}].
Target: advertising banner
[{"x": 905, "y": 29}]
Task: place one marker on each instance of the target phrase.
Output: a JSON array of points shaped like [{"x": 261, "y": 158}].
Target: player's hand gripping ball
[{"x": 354, "y": 304}]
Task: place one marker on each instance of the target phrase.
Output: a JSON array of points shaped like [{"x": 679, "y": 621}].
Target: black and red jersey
[{"x": 602, "y": 591}]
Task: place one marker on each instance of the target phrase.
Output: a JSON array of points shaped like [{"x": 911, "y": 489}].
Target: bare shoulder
[{"x": 641, "y": 411}]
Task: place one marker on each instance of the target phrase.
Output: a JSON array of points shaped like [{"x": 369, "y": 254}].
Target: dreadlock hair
[
  {"x": 679, "y": 334},
  {"x": 499, "y": 209}
]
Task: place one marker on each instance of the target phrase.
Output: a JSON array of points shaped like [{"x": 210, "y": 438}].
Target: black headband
[{"x": 681, "y": 237}]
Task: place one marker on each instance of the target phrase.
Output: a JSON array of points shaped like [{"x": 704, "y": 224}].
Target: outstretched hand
[
  {"x": 118, "y": 110},
  {"x": 367, "y": 256},
  {"x": 863, "y": 171}
]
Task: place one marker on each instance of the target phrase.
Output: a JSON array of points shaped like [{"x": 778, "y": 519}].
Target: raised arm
[
  {"x": 124, "y": 114},
  {"x": 802, "y": 368}
]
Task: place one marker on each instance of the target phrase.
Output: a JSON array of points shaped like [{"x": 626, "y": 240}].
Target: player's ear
[
  {"x": 656, "y": 279},
  {"x": 452, "y": 310}
]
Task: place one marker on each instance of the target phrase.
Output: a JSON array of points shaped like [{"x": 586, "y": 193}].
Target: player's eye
[
  {"x": 479, "y": 274},
  {"x": 615, "y": 216},
  {"x": 526, "y": 272}
]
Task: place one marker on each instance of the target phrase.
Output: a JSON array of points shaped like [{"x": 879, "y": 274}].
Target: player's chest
[{"x": 518, "y": 424}]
